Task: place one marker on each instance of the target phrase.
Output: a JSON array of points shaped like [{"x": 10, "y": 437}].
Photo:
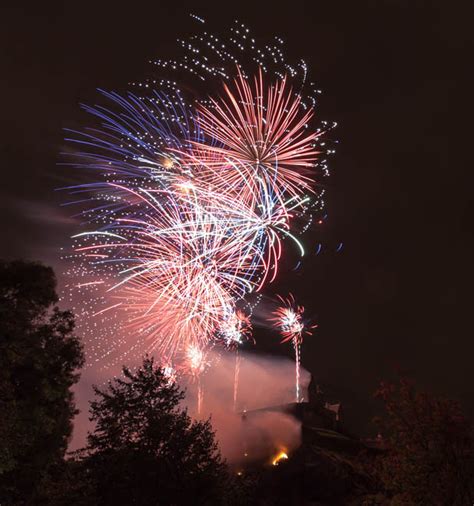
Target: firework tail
[
  {"x": 297, "y": 348},
  {"x": 200, "y": 395},
  {"x": 236, "y": 378}
]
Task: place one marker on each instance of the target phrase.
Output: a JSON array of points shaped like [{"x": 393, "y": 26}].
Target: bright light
[
  {"x": 280, "y": 456},
  {"x": 168, "y": 163}
]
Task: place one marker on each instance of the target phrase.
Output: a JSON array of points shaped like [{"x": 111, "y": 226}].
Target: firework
[
  {"x": 263, "y": 128},
  {"x": 194, "y": 198},
  {"x": 236, "y": 378},
  {"x": 197, "y": 364},
  {"x": 169, "y": 373},
  {"x": 234, "y": 330},
  {"x": 288, "y": 319}
]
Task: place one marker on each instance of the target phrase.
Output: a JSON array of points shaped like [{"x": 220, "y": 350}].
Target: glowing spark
[{"x": 279, "y": 457}]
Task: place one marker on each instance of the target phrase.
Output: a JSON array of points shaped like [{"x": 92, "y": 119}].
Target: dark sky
[{"x": 395, "y": 76}]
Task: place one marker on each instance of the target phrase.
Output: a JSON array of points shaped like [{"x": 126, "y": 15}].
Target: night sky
[{"x": 395, "y": 76}]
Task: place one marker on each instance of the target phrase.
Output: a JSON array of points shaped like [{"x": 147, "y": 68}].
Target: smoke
[
  {"x": 255, "y": 428},
  {"x": 260, "y": 424}
]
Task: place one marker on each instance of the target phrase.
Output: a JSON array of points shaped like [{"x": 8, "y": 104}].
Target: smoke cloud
[{"x": 253, "y": 428}]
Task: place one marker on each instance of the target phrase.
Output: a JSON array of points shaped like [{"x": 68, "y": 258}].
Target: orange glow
[
  {"x": 280, "y": 456},
  {"x": 167, "y": 163}
]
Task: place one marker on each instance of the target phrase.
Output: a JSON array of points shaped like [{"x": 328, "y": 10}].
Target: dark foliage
[
  {"x": 428, "y": 456},
  {"x": 146, "y": 450},
  {"x": 39, "y": 362}
]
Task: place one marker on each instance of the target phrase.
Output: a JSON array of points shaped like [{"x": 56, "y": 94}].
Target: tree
[
  {"x": 39, "y": 362},
  {"x": 429, "y": 448},
  {"x": 146, "y": 450}
]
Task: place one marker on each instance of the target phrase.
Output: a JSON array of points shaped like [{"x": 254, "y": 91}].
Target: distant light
[{"x": 281, "y": 456}]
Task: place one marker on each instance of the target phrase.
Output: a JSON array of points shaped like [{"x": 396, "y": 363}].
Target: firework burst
[
  {"x": 263, "y": 128},
  {"x": 194, "y": 198},
  {"x": 288, "y": 319}
]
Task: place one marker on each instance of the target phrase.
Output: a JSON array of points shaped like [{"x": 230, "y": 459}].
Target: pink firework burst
[
  {"x": 235, "y": 328},
  {"x": 263, "y": 128},
  {"x": 288, "y": 319}
]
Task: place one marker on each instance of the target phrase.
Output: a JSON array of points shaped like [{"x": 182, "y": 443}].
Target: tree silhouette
[
  {"x": 429, "y": 448},
  {"x": 146, "y": 450},
  {"x": 39, "y": 362}
]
